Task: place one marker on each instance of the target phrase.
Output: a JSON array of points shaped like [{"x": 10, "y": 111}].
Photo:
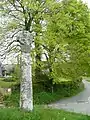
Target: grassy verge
[
  {"x": 40, "y": 114},
  {"x": 43, "y": 97},
  {"x": 5, "y": 84},
  {"x": 47, "y": 97},
  {"x": 87, "y": 79},
  {"x": 12, "y": 100}
]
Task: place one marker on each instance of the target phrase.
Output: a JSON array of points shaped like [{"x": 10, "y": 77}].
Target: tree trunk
[
  {"x": 38, "y": 53},
  {"x": 38, "y": 60},
  {"x": 26, "y": 94}
]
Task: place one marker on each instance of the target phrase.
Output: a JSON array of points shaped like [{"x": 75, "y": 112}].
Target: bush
[
  {"x": 12, "y": 100},
  {"x": 65, "y": 89},
  {"x": 61, "y": 91}
]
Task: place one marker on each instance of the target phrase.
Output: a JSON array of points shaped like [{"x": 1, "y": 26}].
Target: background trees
[{"x": 67, "y": 40}]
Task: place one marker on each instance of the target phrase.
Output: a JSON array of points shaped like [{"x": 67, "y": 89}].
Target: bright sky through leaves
[{"x": 87, "y": 1}]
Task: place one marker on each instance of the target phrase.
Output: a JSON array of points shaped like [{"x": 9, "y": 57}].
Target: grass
[
  {"x": 42, "y": 97},
  {"x": 5, "y": 84},
  {"x": 40, "y": 114},
  {"x": 12, "y": 100},
  {"x": 47, "y": 97},
  {"x": 62, "y": 91},
  {"x": 86, "y": 78}
]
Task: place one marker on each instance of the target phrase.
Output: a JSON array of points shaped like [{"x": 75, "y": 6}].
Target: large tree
[
  {"x": 67, "y": 40},
  {"x": 24, "y": 18}
]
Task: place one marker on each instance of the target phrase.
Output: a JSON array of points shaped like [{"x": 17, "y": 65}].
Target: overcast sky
[{"x": 87, "y": 1}]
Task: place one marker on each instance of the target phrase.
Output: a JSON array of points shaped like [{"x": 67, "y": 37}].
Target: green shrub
[
  {"x": 12, "y": 100},
  {"x": 44, "y": 97},
  {"x": 61, "y": 92}
]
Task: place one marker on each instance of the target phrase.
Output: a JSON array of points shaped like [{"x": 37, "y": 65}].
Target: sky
[{"x": 87, "y": 1}]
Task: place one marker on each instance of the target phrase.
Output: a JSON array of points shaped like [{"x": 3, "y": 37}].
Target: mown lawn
[{"x": 40, "y": 114}]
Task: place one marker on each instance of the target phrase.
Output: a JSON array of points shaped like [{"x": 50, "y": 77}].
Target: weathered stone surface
[{"x": 26, "y": 96}]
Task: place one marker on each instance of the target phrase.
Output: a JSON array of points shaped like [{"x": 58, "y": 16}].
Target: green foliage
[
  {"x": 40, "y": 114},
  {"x": 16, "y": 75},
  {"x": 67, "y": 43},
  {"x": 12, "y": 100},
  {"x": 64, "y": 39},
  {"x": 62, "y": 90},
  {"x": 43, "y": 94}
]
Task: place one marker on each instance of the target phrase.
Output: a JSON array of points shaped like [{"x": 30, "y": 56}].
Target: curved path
[{"x": 79, "y": 103}]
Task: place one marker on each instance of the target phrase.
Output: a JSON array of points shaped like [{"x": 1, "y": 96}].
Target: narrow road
[{"x": 79, "y": 103}]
